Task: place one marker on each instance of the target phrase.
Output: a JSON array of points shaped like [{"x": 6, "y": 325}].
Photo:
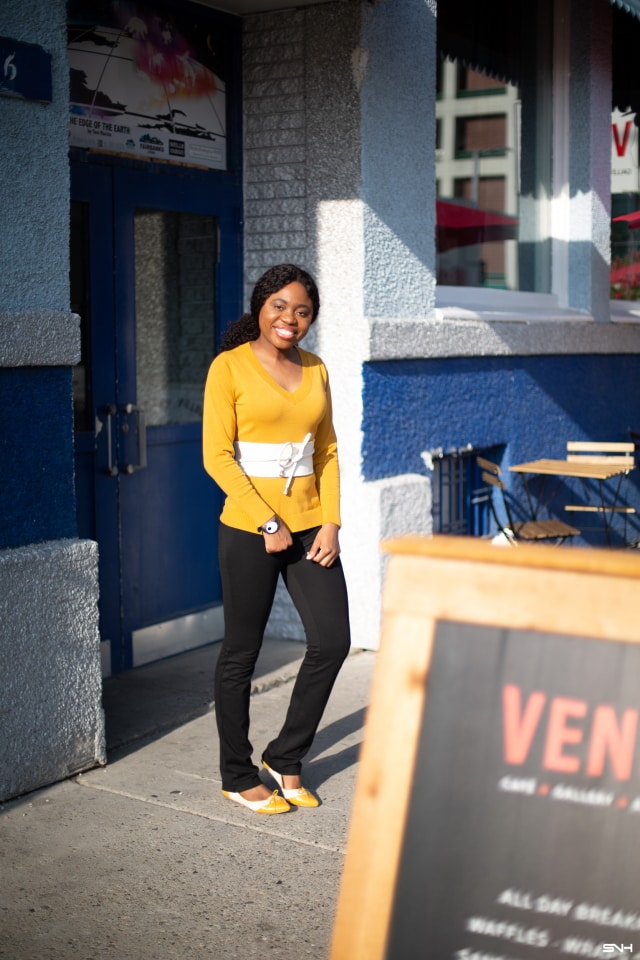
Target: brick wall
[{"x": 275, "y": 155}]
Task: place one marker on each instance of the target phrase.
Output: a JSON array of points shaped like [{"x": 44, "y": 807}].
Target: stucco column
[
  {"x": 398, "y": 157},
  {"x": 369, "y": 186},
  {"x": 590, "y": 169},
  {"x": 50, "y": 678},
  {"x": 376, "y": 248}
]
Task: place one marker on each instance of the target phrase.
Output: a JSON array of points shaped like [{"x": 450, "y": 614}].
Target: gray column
[
  {"x": 590, "y": 157},
  {"x": 398, "y": 157}
]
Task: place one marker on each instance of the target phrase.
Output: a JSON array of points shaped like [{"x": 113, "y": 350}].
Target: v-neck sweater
[{"x": 242, "y": 401}]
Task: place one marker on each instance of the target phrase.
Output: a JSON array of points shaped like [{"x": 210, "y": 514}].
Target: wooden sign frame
[{"x": 578, "y": 592}]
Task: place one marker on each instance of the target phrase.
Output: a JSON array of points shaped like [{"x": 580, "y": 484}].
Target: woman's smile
[{"x": 285, "y": 317}]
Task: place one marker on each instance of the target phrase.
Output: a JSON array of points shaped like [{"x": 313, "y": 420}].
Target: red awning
[
  {"x": 631, "y": 219},
  {"x": 460, "y": 224},
  {"x": 626, "y": 273}
]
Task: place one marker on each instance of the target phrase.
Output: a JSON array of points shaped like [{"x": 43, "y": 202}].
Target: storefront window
[
  {"x": 625, "y": 170},
  {"x": 625, "y": 204},
  {"x": 477, "y": 211},
  {"x": 493, "y": 159}
]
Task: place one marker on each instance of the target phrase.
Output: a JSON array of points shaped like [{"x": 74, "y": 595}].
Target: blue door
[{"x": 156, "y": 275}]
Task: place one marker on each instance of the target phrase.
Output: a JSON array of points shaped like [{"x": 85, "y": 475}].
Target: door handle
[
  {"x": 109, "y": 413},
  {"x": 141, "y": 429}
]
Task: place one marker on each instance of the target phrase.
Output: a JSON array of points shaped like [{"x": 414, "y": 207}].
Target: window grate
[{"x": 455, "y": 510}]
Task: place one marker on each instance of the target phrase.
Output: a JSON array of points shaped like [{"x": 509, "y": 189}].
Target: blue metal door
[{"x": 156, "y": 274}]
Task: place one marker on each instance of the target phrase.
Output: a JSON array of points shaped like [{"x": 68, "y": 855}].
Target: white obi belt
[{"x": 276, "y": 459}]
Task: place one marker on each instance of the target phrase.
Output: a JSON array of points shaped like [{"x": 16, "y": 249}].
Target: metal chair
[
  {"x": 634, "y": 437},
  {"x": 614, "y": 453},
  {"x": 620, "y": 453},
  {"x": 528, "y": 531}
]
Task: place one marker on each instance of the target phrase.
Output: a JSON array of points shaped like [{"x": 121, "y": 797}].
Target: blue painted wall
[
  {"x": 36, "y": 493},
  {"x": 36, "y": 475},
  {"x": 529, "y": 405}
]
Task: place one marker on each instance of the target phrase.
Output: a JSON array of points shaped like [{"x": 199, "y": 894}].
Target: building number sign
[{"x": 25, "y": 71}]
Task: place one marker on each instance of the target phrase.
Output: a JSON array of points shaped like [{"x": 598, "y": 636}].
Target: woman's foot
[
  {"x": 256, "y": 793},
  {"x": 259, "y": 799},
  {"x": 292, "y": 789},
  {"x": 291, "y": 781}
]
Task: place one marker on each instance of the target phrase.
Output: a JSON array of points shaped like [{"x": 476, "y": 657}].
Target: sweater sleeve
[
  {"x": 218, "y": 435},
  {"x": 325, "y": 463}
]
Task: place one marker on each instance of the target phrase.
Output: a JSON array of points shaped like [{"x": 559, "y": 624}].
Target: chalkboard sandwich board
[{"x": 497, "y": 807}]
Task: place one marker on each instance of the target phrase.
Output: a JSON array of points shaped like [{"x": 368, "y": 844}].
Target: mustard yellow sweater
[{"x": 243, "y": 402}]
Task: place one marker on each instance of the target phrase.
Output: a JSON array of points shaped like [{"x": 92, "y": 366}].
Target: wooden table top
[{"x": 570, "y": 468}]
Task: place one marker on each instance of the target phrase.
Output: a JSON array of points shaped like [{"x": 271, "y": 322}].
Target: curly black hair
[{"x": 274, "y": 279}]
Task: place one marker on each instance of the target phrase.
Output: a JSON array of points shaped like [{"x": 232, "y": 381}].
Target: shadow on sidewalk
[{"x": 151, "y": 700}]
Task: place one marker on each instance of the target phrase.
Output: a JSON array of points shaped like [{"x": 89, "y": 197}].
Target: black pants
[{"x": 249, "y": 580}]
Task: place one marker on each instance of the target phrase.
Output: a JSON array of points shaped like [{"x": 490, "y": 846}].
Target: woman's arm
[
  {"x": 218, "y": 435},
  {"x": 325, "y": 464}
]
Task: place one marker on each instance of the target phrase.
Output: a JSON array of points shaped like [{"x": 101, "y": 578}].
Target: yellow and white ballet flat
[
  {"x": 299, "y": 797},
  {"x": 274, "y": 804}
]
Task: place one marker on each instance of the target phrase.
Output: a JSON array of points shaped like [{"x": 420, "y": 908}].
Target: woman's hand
[
  {"x": 278, "y": 541},
  {"x": 325, "y": 547}
]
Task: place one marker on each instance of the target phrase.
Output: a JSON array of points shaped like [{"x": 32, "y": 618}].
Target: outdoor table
[{"x": 564, "y": 469}]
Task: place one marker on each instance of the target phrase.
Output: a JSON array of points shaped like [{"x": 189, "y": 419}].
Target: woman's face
[{"x": 285, "y": 317}]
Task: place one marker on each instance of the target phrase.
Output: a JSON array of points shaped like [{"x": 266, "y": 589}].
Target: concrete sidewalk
[{"x": 146, "y": 860}]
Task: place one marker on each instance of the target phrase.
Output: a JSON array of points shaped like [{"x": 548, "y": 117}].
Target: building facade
[{"x": 131, "y": 236}]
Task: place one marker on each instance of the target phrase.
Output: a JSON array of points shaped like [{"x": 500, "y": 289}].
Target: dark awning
[
  {"x": 483, "y": 38},
  {"x": 631, "y": 6},
  {"x": 624, "y": 66},
  {"x": 493, "y": 37}
]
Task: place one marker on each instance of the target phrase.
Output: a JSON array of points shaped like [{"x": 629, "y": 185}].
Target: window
[
  {"x": 625, "y": 163},
  {"x": 79, "y": 282},
  {"x": 478, "y": 166},
  {"x": 175, "y": 255},
  {"x": 494, "y": 150},
  {"x": 488, "y": 191},
  {"x": 472, "y": 83},
  {"x": 489, "y": 194},
  {"x": 514, "y": 253},
  {"x": 481, "y": 136},
  {"x": 456, "y": 477}
]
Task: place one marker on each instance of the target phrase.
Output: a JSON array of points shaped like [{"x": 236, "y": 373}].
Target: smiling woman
[
  {"x": 269, "y": 443},
  {"x": 284, "y": 319}
]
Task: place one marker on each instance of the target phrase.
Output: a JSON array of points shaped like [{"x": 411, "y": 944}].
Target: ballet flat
[
  {"x": 275, "y": 803},
  {"x": 299, "y": 797}
]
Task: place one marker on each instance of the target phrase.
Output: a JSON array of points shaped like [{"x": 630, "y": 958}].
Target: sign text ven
[{"x": 576, "y": 738}]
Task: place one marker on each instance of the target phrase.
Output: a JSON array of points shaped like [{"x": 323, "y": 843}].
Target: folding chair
[
  {"x": 530, "y": 531},
  {"x": 620, "y": 453},
  {"x": 634, "y": 437},
  {"x": 596, "y": 500}
]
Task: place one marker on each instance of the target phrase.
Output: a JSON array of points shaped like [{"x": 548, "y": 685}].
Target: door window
[
  {"x": 176, "y": 256},
  {"x": 79, "y": 245}
]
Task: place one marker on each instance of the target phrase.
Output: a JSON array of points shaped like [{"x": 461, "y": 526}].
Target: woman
[{"x": 269, "y": 443}]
